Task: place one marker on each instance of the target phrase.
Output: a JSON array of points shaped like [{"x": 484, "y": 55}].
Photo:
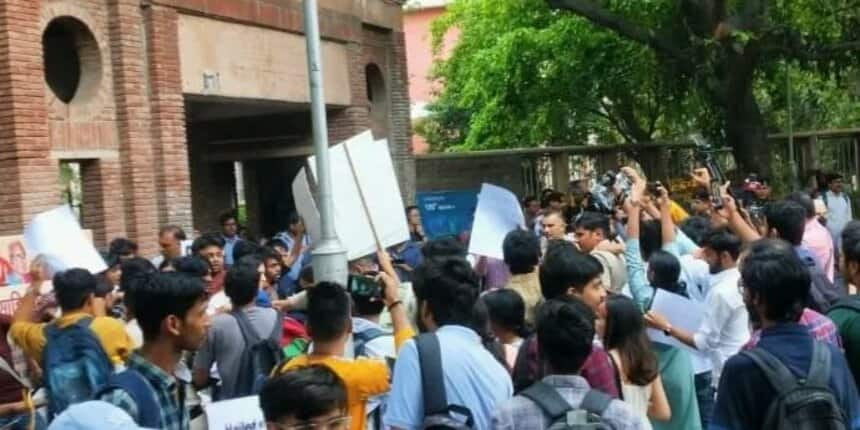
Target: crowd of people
[{"x": 559, "y": 334}]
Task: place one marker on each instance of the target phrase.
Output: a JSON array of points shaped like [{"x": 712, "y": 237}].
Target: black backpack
[
  {"x": 800, "y": 403},
  {"x": 562, "y": 415},
  {"x": 258, "y": 358},
  {"x": 437, "y": 411}
]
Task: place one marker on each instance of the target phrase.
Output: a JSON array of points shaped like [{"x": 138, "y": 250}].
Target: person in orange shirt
[{"x": 330, "y": 327}]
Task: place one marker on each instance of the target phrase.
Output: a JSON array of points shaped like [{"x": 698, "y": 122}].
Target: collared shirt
[
  {"x": 744, "y": 392},
  {"x": 838, "y": 214},
  {"x": 725, "y": 325},
  {"x": 820, "y": 327},
  {"x": 817, "y": 239},
  {"x": 521, "y": 413},
  {"x": 848, "y": 322},
  {"x": 229, "y": 243},
  {"x": 472, "y": 379},
  {"x": 172, "y": 412},
  {"x": 300, "y": 262},
  {"x": 528, "y": 286},
  {"x": 695, "y": 273}
]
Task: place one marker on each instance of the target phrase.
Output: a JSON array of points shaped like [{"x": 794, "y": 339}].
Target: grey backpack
[
  {"x": 562, "y": 415},
  {"x": 438, "y": 414},
  {"x": 800, "y": 403}
]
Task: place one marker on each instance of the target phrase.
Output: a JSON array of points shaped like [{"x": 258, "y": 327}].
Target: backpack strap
[
  {"x": 596, "y": 402},
  {"x": 133, "y": 382},
  {"x": 548, "y": 399},
  {"x": 249, "y": 335},
  {"x": 819, "y": 367},
  {"x": 362, "y": 338},
  {"x": 776, "y": 373},
  {"x": 432, "y": 378}
]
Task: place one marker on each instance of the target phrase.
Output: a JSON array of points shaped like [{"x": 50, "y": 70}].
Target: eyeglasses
[{"x": 336, "y": 423}]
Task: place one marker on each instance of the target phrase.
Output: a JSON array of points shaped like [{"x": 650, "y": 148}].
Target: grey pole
[{"x": 329, "y": 256}]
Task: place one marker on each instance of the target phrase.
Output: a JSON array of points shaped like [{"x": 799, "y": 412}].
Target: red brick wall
[
  {"x": 170, "y": 152},
  {"x": 133, "y": 120},
  {"x": 28, "y": 175}
]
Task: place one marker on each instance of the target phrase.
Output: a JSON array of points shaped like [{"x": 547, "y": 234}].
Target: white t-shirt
[{"x": 725, "y": 325}]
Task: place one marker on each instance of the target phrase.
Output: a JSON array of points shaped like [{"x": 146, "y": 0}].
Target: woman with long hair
[
  {"x": 416, "y": 226},
  {"x": 507, "y": 312},
  {"x": 637, "y": 365}
]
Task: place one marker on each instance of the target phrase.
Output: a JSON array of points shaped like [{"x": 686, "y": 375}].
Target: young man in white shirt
[{"x": 725, "y": 325}]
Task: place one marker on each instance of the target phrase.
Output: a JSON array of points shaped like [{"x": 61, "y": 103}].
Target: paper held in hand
[
  {"x": 57, "y": 236},
  {"x": 367, "y": 202},
  {"x": 498, "y": 213}
]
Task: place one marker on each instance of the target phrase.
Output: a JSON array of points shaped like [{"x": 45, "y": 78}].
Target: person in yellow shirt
[
  {"x": 330, "y": 326},
  {"x": 75, "y": 293}
]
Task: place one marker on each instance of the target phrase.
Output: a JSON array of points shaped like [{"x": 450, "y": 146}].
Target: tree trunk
[{"x": 746, "y": 134}]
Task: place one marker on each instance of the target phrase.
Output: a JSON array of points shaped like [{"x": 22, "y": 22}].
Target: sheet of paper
[
  {"x": 683, "y": 313},
  {"x": 57, "y": 235},
  {"x": 306, "y": 205},
  {"x": 498, "y": 213},
  {"x": 241, "y": 413},
  {"x": 378, "y": 181}
]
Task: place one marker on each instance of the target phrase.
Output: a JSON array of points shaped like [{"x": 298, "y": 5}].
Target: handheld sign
[
  {"x": 57, "y": 236},
  {"x": 243, "y": 413},
  {"x": 497, "y": 214}
]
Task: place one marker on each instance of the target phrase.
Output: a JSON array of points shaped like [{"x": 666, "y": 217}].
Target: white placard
[
  {"x": 497, "y": 214},
  {"x": 57, "y": 235},
  {"x": 243, "y": 413},
  {"x": 305, "y": 204},
  {"x": 377, "y": 180},
  {"x": 683, "y": 313}
]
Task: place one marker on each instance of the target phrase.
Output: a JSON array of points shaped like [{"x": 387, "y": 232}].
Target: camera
[
  {"x": 612, "y": 186},
  {"x": 365, "y": 285}
]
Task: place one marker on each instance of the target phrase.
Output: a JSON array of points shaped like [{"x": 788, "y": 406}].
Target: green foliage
[{"x": 524, "y": 75}]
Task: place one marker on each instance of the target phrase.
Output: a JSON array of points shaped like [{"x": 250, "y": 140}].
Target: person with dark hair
[
  {"x": 123, "y": 248},
  {"x": 210, "y": 247},
  {"x": 134, "y": 272},
  {"x": 630, "y": 349},
  {"x": 75, "y": 291},
  {"x": 506, "y": 313},
  {"x": 416, "y": 228},
  {"x": 271, "y": 272},
  {"x": 170, "y": 240},
  {"x": 816, "y": 238},
  {"x": 226, "y": 341},
  {"x": 725, "y": 323},
  {"x": 329, "y": 324},
  {"x": 230, "y": 235},
  {"x": 701, "y": 204},
  {"x": 171, "y": 310},
  {"x": 295, "y": 253},
  {"x": 593, "y": 235},
  {"x": 521, "y": 251},
  {"x": 531, "y": 211},
  {"x": 442, "y": 248},
  {"x": 565, "y": 271},
  {"x": 839, "y": 207},
  {"x": 244, "y": 248},
  {"x": 695, "y": 228},
  {"x": 312, "y": 397},
  {"x": 775, "y": 283},
  {"x": 565, "y": 329},
  {"x": 447, "y": 292},
  {"x": 846, "y": 312}
]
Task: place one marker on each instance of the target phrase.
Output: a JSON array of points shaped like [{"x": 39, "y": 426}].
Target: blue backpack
[
  {"x": 76, "y": 366},
  {"x": 135, "y": 384}
]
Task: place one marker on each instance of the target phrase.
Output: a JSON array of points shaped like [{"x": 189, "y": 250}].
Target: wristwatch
[{"x": 668, "y": 330}]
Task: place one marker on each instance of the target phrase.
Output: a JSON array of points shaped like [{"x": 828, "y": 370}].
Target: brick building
[{"x": 156, "y": 101}]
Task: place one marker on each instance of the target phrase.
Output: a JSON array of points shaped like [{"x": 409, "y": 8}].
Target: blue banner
[{"x": 445, "y": 213}]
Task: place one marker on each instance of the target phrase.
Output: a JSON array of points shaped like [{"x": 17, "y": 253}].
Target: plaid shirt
[
  {"x": 167, "y": 391},
  {"x": 521, "y": 413},
  {"x": 598, "y": 369},
  {"x": 820, "y": 327}
]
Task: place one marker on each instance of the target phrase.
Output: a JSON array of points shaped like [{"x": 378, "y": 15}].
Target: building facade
[{"x": 156, "y": 101}]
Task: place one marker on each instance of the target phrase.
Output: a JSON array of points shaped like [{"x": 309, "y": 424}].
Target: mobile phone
[{"x": 364, "y": 285}]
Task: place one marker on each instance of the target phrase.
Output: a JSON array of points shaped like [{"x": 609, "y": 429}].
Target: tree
[{"x": 634, "y": 70}]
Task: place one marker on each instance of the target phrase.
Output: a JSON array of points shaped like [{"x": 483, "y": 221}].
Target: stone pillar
[{"x": 560, "y": 171}]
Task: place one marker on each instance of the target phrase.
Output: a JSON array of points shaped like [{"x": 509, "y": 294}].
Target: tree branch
[{"x": 602, "y": 17}]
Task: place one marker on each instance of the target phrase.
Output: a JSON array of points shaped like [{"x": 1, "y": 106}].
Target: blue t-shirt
[
  {"x": 745, "y": 390},
  {"x": 473, "y": 378}
]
